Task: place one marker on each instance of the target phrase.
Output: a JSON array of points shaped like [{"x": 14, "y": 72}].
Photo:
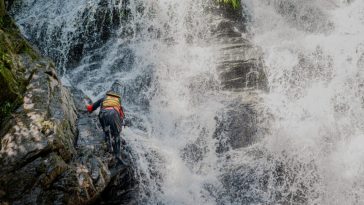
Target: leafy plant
[
  {"x": 5, "y": 110},
  {"x": 234, "y": 3}
]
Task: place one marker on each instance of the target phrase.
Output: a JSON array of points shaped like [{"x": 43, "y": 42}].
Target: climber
[{"x": 111, "y": 118}]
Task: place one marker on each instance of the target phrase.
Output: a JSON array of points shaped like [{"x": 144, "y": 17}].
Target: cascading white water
[
  {"x": 310, "y": 153},
  {"x": 314, "y": 54},
  {"x": 167, "y": 50},
  {"x": 177, "y": 114}
]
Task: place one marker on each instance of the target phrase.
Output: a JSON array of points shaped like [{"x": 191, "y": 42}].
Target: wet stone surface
[
  {"x": 53, "y": 151},
  {"x": 117, "y": 183}
]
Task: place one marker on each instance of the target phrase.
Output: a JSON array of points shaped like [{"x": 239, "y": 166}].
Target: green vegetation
[
  {"x": 234, "y": 3},
  {"x": 2, "y": 8},
  {"x": 12, "y": 86},
  {"x": 7, "y": 108},
  {"x": 11, "y": 95}
]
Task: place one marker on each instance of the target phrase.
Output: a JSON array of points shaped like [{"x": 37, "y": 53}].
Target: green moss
[
  {"x": 2, "y": 8},
  {"x": 12, "y": 38},
  {"x": 12, "y": 85},
  {"x": 7, "y": 79},
  {"x": 234, "y": 3},
  {"x": 30, "y": 51},
  {"x": 5, "y": 60},
  {"x": 6, "y": 109},
  {"x": 11, "y": 93}
]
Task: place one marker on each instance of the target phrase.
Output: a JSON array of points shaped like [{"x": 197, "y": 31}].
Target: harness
[{"x": 112, "y": 101}]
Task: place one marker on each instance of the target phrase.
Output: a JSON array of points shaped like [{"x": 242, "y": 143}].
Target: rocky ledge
[{"x": 51, "y": 151}]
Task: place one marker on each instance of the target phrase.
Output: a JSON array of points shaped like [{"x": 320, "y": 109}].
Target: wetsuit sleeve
[{"x": 97, "y": 104}]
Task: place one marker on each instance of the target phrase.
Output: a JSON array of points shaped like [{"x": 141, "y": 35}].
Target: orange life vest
[{"x": 112, "y": 101}]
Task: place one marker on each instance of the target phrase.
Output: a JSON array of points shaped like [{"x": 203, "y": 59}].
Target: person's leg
[
  {"x": 116, "y": 128},
  {"x": 108, "y": 139},
  {"x": 117, "y": 146},
  {"x": 106, "y": 128}
]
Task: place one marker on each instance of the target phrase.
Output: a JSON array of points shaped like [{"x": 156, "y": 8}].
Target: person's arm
[
  {"x": 126, "y": 121},
  {"x": 121, "y": 109},
  {"x": 94, "y": 106}
]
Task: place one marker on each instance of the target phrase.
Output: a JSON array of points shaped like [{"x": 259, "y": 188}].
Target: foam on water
[{"x": 316, "y": 91}]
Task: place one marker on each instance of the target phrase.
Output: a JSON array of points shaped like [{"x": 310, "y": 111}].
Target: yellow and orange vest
[{"x": 112, "y": 101}]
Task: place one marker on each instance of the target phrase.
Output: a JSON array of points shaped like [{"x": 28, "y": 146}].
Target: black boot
[{"x": 117, "y": 152}]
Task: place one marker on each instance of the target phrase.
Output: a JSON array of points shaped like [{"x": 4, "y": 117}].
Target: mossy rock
[
  {"x": 11, "y": 93},
  {"x": 235, "y": 4},
  {"x": 13, "y": 48},
  {"x": 11, "y": 40}
]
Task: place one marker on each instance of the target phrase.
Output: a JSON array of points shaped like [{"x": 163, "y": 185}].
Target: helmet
[{"x": 115, "y": 89}]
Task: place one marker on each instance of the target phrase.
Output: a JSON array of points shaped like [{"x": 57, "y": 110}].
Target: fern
[{"x": 234, "y": 3}]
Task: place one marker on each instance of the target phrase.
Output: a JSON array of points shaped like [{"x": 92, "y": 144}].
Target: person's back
[{"x": 111, "y": 118}]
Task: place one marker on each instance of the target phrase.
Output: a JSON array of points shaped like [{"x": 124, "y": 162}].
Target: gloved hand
[{"x": 89, "y": 108}]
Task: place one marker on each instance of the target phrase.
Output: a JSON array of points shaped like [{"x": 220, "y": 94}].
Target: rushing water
[
  {"x": 309, "y": 129},
  {"x": 314, "y": 52}
]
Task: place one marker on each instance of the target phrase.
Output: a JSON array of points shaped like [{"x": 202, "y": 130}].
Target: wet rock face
[
  {"x": 93, "y": 33},
  {"x": 39, "y": 143},
  {"x": 89, "y": 26},
  {"x": 15, "y": 53},
  {"x": 112, "y": 184},
  {"x": 233, "y": 20},
  {"x": 122, "y": 189},
  {"x": 236, "y": 127},
  {"x": 269, "y": 179},
  {"x": 239, "y": 64}
]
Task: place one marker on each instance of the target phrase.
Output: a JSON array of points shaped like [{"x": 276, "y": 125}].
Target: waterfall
[
  {"x": 314, "y": 52},
  {"x": 260, "y": 105}
]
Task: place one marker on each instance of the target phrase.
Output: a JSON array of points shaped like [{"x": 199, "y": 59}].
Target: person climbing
[{"x": 111, "y": 118}]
